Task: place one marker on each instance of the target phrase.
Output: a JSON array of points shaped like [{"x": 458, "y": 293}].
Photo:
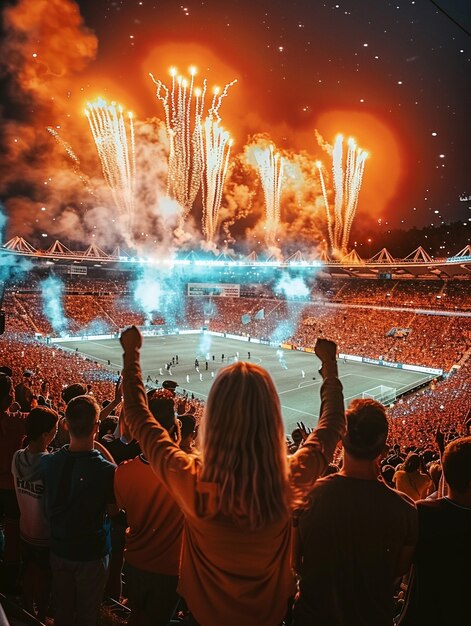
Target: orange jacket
[
  {"x": 231, "y": 575},
  {"x": 155, "y": 521}
]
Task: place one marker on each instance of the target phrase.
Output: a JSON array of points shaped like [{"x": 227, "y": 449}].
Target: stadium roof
[{"x": 419, "y": 263}]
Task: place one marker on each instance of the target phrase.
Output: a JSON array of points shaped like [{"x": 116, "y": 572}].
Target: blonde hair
[{"x": 243, "y": 446}]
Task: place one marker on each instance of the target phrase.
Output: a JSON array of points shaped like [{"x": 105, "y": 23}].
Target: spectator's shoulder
[
  {"x": 402, "y": 499},
  {"x": 50, "y": 460},
  {"x": 327, "y": 482},
  {"x": 327, "y": 485},
  {"x": 126, "y": 466},
  {"x": 106, "y": 465},
  {"x": 431, "y": 505},
  {"x": 14, "y": 457}
]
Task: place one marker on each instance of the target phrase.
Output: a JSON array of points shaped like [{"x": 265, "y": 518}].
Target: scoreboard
[{"x": 222, "y": 290}]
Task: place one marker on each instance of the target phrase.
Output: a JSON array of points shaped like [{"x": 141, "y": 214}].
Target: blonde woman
[{"x": 237, "y": 497}]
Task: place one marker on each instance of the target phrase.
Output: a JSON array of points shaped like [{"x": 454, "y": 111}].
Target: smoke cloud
[
  {"x": 52, "y": 292},
  {"x": 160, "y": 292},
  {"x": 53, "y": 181},
  {"x": 46, "y": 47}
]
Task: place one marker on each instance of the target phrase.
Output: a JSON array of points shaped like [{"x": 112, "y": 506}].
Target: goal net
[{"x": 382, "y": 394}]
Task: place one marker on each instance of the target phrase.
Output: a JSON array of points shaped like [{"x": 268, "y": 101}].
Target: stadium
[
  {"x": 235, "y": 314},
  {"x": 402, "y": 333},
  {"x": 389, "y": 317},
  {"x": 402, "y": 329}
]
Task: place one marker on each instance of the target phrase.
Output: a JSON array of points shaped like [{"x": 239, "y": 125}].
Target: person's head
[
  {"x": 162, "y": 407},
  {"x": 412, "y": 463},
  {"x": 243, "y": 445},
  {"x": 457, "y": 465},
  {"x": 170, "y": 385},
  {"x": 297, "y": 437},
  {"x": 188, "y": 423},
  {"x": 73, "y": 391},
  {"x": 7, "y": 393},
  {"x": 367, "y": 429},
  {"x": 107, "y": 426},
  {"x": 41, "y": 425},
  {"x": 81, "y": 417}
]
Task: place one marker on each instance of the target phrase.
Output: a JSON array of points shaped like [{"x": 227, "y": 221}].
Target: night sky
[{"x": 395, "y": 75}]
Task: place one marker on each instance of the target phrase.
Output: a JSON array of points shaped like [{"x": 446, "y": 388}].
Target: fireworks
[
  {"x": 270, "y": 167},
  {"x": 184, "y": 108},
  {"x": 347, "y": 179},
  {"x": 66, "y": 147},
  {"x": 216, "y": 149},
  {"x": 114, "y": 141},
  {"x": 72, "y": 156},
  {"x": 199, "y": 149}
]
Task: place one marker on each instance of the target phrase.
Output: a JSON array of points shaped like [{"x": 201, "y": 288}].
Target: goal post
[{"x": 383, "y": 394}]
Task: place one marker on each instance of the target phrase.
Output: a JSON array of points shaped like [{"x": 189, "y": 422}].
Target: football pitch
[{"x": 295, "y": 373}]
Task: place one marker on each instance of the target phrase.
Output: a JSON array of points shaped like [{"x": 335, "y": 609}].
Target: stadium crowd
[
  {"x": 176, "y": 508},
  {"x": 152, "y": 577},
  {"x": 395, "y": 335},
  {"x": 446, "y": 295}
]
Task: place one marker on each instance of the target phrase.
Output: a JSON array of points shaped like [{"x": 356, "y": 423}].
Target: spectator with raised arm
[{"x": 237, "y": 498}]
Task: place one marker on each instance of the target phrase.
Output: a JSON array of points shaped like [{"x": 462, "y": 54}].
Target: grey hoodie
[{"x": 29, "y": 487}]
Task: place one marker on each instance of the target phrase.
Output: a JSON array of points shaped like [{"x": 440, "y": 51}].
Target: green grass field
[{"x": 299, "y": 394}]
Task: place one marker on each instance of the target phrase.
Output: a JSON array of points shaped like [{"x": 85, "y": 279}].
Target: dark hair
[
  {"x": 367, "y": 429},
  {"x": 106, "y": 425},
  {"x": 188, "y": 423},
  {"x": 73, "y": 391},
  {"x": 412, "y": 463},
  {"x": 39, "y": 421},
  {"x": 456, "y": 463},
  {"x": 81, "y": 416},
  {"x": 162, "y": 407},
  {"x": 297, "y": 436}
]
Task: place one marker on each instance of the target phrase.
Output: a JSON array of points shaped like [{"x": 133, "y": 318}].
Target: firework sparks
[
  {"x": 184, "y": 109},
  {"x": 114, "y": 141},
  {"x": 216, "y": 149},
  {"x": 326, "y": 204},
  {"x": 72, "y": 156},
  {"x": 347, "y": 179},
  {"x": 270, "y": 167}
]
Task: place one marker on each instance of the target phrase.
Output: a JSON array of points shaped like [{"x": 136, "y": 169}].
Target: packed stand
[
  {"x": 228, "y": 510},
  {"x": 393, "y": 335}
]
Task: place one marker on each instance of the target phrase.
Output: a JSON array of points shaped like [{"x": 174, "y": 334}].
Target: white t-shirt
[{"x": 29, "y": 487}]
